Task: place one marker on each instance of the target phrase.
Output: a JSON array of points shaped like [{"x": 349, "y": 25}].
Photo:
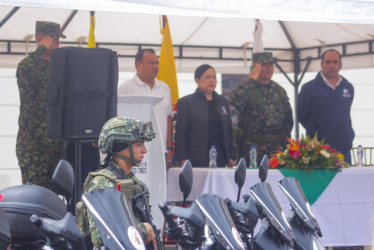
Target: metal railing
[{"x": 367, "y": 158}]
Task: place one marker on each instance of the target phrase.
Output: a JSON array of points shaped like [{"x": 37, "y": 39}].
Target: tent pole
[
  {"x": 282, "y": 71},
  {"x": 68, "y": 20},
  {"x": 9, "y": 15},
  {"x": 295, "y": 83},
  {"x": 296, "y": 68},
  {"x": 296, "y": 61}
]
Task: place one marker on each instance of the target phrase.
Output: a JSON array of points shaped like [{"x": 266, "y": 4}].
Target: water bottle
[
  {"x": 213, "y": 157},
  {"x": 253, "y": 157},
  {"x": 360, "y": 156}
]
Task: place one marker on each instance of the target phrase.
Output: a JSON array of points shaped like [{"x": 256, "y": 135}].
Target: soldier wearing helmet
[{"x": 123, "y": 140}]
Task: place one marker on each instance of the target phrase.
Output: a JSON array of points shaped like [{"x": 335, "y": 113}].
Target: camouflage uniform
[
  {"x": 121, "y": 130},
  {"x": 103, "y": 182},
  {"x": 37, "y": 152},
  {"x": 265, "y": 116}
]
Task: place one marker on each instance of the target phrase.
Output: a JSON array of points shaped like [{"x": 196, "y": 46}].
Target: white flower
[
  {"x": 306, "y": 159},
  {"x": 325, "y": 154}
]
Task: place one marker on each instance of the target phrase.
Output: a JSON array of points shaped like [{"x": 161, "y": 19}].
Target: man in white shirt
[{"x": 145, "y": 83}]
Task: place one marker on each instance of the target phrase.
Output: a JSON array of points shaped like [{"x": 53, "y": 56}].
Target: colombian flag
[
  {"x": 167, "y": 71},
  {"x": 91, "y": 37}
]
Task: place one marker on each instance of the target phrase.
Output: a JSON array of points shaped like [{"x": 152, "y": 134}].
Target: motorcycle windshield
[
  {"x": 265, "y": 198},
  {"x": 114, "y": 219},
  {"x": 218, "y": 217},
  {"x": 291, "y": 187}
]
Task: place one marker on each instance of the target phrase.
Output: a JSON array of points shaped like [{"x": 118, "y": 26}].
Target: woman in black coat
[{"x": 203, "y": 120}]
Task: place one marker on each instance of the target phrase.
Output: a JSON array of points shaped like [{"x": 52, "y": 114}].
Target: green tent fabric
[{"x": 312, "y": 183}]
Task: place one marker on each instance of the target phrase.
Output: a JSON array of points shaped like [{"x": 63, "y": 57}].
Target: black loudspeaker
[{"x": 82, "y": 91}]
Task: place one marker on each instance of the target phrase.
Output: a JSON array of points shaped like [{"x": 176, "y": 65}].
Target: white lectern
[{"x": 153, "y": 167}]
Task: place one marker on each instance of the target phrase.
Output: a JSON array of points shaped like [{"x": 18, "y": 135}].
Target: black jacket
[{"x": 191, "y": 138}]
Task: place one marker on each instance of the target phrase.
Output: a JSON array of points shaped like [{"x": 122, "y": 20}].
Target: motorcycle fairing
[
  {"x": 291, "y": 187},
  {"x": 218, "y": 217},
  {"x": 264, "y": 195},
  {"x": 113, "y": 216}
]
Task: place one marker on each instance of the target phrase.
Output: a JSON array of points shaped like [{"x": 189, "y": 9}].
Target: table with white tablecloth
[{"x": 344, "y": 211}]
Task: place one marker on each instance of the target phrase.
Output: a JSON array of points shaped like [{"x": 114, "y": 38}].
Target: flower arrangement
[{"x": 307, "y": 153}]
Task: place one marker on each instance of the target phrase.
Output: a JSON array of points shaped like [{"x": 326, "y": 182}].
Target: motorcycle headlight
[{"x": 236, "y": 235}]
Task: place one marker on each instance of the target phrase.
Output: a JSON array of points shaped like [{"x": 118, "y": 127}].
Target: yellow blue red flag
[
  {"x": 91, "y": 37},
  {"x": 167, "y": 70}
]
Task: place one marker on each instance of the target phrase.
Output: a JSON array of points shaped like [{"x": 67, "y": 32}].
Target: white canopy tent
[{"x": 216, "y": 32}]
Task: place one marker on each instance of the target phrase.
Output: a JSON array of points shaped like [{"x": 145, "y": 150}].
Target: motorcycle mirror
[
  {"x": 63, "y": 179},
  {"x": 240, "y": 175},
  {"x": 264, "y": 166},
  {"x": 186, "y": 180}
]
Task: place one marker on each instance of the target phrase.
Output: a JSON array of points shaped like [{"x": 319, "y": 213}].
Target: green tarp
[{"x": 312, "y": 183}]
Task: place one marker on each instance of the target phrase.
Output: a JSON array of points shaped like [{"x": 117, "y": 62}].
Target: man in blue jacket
[{"x": 324, "y": 105}]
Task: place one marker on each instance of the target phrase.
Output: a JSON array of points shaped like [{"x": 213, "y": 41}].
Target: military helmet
[{"x": 124, "y": 130}]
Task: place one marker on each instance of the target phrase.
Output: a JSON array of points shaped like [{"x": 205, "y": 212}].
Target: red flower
[
  {"x": 273, "y": 162},
  {"x": 294, "y": 153}
]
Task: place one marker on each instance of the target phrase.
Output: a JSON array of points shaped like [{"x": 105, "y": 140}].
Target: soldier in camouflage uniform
[
  {"x": 122, "y": 139},
  {"x": 37, "y": 152},
  {"x": 265, "y": 115}
]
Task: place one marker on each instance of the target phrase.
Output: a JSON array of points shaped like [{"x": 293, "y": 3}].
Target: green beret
[
  {"x": 49, "y": 29},
  {"x": 262, "y": 57}
]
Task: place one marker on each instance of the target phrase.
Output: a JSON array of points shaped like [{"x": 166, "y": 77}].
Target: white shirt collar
[
  {"x": 140, "y": 82},
  {"x": 327, "y": 82}
]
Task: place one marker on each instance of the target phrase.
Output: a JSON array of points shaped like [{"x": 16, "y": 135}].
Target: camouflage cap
[
  {"x": 124, "y": 130},
  {"x": 262, "y": 57},
  {"x": 49, "y": 29}
]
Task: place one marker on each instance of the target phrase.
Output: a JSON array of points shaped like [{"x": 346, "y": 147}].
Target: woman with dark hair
[{"x": 204, "y": 120}]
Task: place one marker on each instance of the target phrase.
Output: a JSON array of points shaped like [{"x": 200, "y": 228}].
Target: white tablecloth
[{"x": 344, "y": 211}]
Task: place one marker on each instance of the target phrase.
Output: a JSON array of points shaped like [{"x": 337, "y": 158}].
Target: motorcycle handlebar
[
  {"x": 247, "y": 209},
  {"x": 190, "y": 235},
  {"x": 56, "y": 230},
  {"x": 191, "y": 214},
  {"x": 167, "y": 215}
]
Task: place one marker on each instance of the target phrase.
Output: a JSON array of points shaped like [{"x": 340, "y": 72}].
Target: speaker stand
[
  {"x": 77, "y": 171},
  {"x": 85, "y": 158}
]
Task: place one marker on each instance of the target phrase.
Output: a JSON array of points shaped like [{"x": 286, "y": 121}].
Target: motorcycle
[
  {"x": 302, "y": 221},
  {"x": 206, "y": 209},
  {"x": 30, "y": 207},
  {"x": 275, "y": 231},
  {"x": 4, "y": 230},
  {"x": 113, "y": 216},
  {"x": 55, "y": 227}
]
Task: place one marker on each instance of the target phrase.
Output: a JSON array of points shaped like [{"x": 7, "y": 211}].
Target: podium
[{"x": 153, "y": 167}]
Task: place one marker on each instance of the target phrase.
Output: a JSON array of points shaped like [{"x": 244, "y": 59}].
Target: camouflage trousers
[
  {"x": 262, "y": 148},
  {"x": 36, "y": 167}
]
